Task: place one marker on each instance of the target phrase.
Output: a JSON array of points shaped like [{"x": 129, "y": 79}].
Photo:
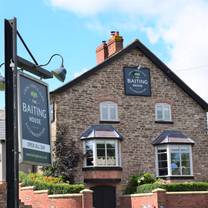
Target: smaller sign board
[
  {"x": 34, "y": 120},
  {"x": 137, "y": 81}
]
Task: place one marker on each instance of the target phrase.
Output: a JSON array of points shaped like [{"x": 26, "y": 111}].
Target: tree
[{"x": 66, "y": 157}]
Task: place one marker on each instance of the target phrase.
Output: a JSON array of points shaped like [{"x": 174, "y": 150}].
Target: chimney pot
[{"x": 107, "y": 49}]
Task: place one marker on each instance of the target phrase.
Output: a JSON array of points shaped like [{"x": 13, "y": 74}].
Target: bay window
[
  {"x": 102, "y": 153},
  {"x": 174, "y": 160}
]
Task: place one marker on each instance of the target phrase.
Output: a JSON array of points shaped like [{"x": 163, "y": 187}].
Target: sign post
[
  {"x": 11, "y": 114},
  {"x": 34, "y": 122}
]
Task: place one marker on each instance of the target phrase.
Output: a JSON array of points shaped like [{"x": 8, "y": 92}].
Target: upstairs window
[
  {"x": 108, "y": 111},
  {"x": 163, "y": 112}
]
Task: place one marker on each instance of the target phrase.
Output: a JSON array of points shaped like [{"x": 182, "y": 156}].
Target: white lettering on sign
[
  {"x": 36, "y": 146},
  {"x": 33, "y": 110},
  {"x": 137, "y": 81}
]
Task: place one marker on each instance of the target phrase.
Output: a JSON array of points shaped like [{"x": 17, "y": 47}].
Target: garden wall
[
  {"x": 159, "y": 198},
  {"x": 41, "y": 199}
]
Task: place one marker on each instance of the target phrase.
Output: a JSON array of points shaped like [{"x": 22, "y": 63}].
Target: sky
[{"x": 176, "y": 31}]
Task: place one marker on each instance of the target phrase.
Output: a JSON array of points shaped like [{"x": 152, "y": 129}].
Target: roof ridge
[{"x": 162, "y": 66}]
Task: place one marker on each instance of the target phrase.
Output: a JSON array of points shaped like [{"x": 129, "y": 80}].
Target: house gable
[{"x": 141, "y": 47}]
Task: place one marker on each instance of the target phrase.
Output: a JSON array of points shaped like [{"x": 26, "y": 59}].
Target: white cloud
[{"x": 180, "y": 24}]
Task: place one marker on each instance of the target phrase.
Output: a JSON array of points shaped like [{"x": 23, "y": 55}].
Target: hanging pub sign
[
  {"x": 34, "y": 121},
  {"x": 137, "y": 81}
]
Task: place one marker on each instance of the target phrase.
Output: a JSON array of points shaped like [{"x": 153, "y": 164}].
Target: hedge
[
  {"x": 52, "y": 184},
  {"x": 174, "y": 187}
]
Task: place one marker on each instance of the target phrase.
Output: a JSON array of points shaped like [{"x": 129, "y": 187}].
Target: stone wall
[
  {"x": 78, "y": 108},
  {"x": 3, "y": 195}
]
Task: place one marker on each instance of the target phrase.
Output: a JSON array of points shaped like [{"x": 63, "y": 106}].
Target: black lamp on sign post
[
  {"x": 12, "y": 61},
  {"x": 59, "y": 73}
]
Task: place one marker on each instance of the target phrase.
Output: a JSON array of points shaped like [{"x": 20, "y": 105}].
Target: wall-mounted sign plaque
[
  {"x": 137, "y": 81},
  {"x": 34, "y": 123}
]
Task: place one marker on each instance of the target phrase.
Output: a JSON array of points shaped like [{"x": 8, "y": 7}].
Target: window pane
[
  {"x": 111, "y": 154},
  {"x": 112, "y": 112},
  {"x": 167, "y": 115},
  {"x": 162, "y": 162},
  {"x": 175, "y": 163},
  {"x": 100, "y": 160},
  {"x": 162, "y": 157},
  {"x": 89, "y": 153},
  {"x": 163, "y": 172},
  {"x": 185, "y": 157},
  {"x": 186, "y": 171},
  {"x": 159, "y": 113},
  {"x": 104, "y": 112}
]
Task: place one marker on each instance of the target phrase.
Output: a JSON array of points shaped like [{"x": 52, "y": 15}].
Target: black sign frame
[
  {"x": 130, "y": 92},
  {"x": 22, "y": 159}
]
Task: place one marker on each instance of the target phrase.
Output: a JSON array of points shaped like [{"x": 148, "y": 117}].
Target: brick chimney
[
  {"x": 101, "y": 52},
  {"x": 105, "y": 50},
  {"x": 115, "y": 43}
]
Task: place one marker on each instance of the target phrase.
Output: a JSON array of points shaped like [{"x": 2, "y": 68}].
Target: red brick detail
[
  {"x": 115, "y": 43},
  {"x": 102, "y": 174},
  {"x": 162, "y": 199},
  {"x": 105, "y": 50},
  {"x": 101, "y": 52},
  {"x": 41, "y": 199},
  {"x": 87, "y": 198}
]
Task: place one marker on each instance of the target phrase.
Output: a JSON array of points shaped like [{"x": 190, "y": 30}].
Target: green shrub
[
  {"x": 174, "y": 187},
  {"x": 147, "y": 188},
  {"x": 54, "y": 185},
  {"x": 146, "y": 178},
  {"x": 141, "y": 178},
  {"x": 22, "y": 176},
  {"x": 132, "y": 184}
]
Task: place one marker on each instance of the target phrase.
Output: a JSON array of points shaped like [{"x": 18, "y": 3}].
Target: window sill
[
  {"x": 164, "y": 122},
  {"x": 109, "y": 122},
  {"x": 102, "y": 168},
  {"x": 176, "y": 177}
]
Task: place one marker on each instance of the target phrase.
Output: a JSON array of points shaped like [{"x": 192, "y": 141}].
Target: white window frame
[
  {"x": 95, "y": 142},
  {"x": 52, "y": 112},
  {"x": 108, "y": 104},
  {"x": 163, "y": 106},
  {"x": 168, "y": 150}
]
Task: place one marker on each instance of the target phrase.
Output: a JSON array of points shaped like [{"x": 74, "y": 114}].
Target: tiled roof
[
  {"x": 172, "y": 137},
  {"x": 101, "y": 131}
]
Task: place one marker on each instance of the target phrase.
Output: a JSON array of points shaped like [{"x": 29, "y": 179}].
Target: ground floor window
[
  {"x": 102, "y": 153},
  {"x": 174, "y": 160}
]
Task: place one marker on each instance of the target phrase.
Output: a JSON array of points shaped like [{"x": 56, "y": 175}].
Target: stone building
[{"x": 130, "y": 114}]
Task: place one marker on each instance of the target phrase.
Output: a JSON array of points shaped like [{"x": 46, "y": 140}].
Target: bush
[
  {"x": 132, "y": 184},
  {"x": 54, "y": 185},
  {"x": 142, "y": 178},
  {"x": 146, "y": 178},
  {"x": 174, "y": 187}
]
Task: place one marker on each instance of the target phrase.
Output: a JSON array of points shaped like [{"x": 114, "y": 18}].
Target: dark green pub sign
[
  {"x": 34, "y": 122},
  {"x": 137, "y": 81}
]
